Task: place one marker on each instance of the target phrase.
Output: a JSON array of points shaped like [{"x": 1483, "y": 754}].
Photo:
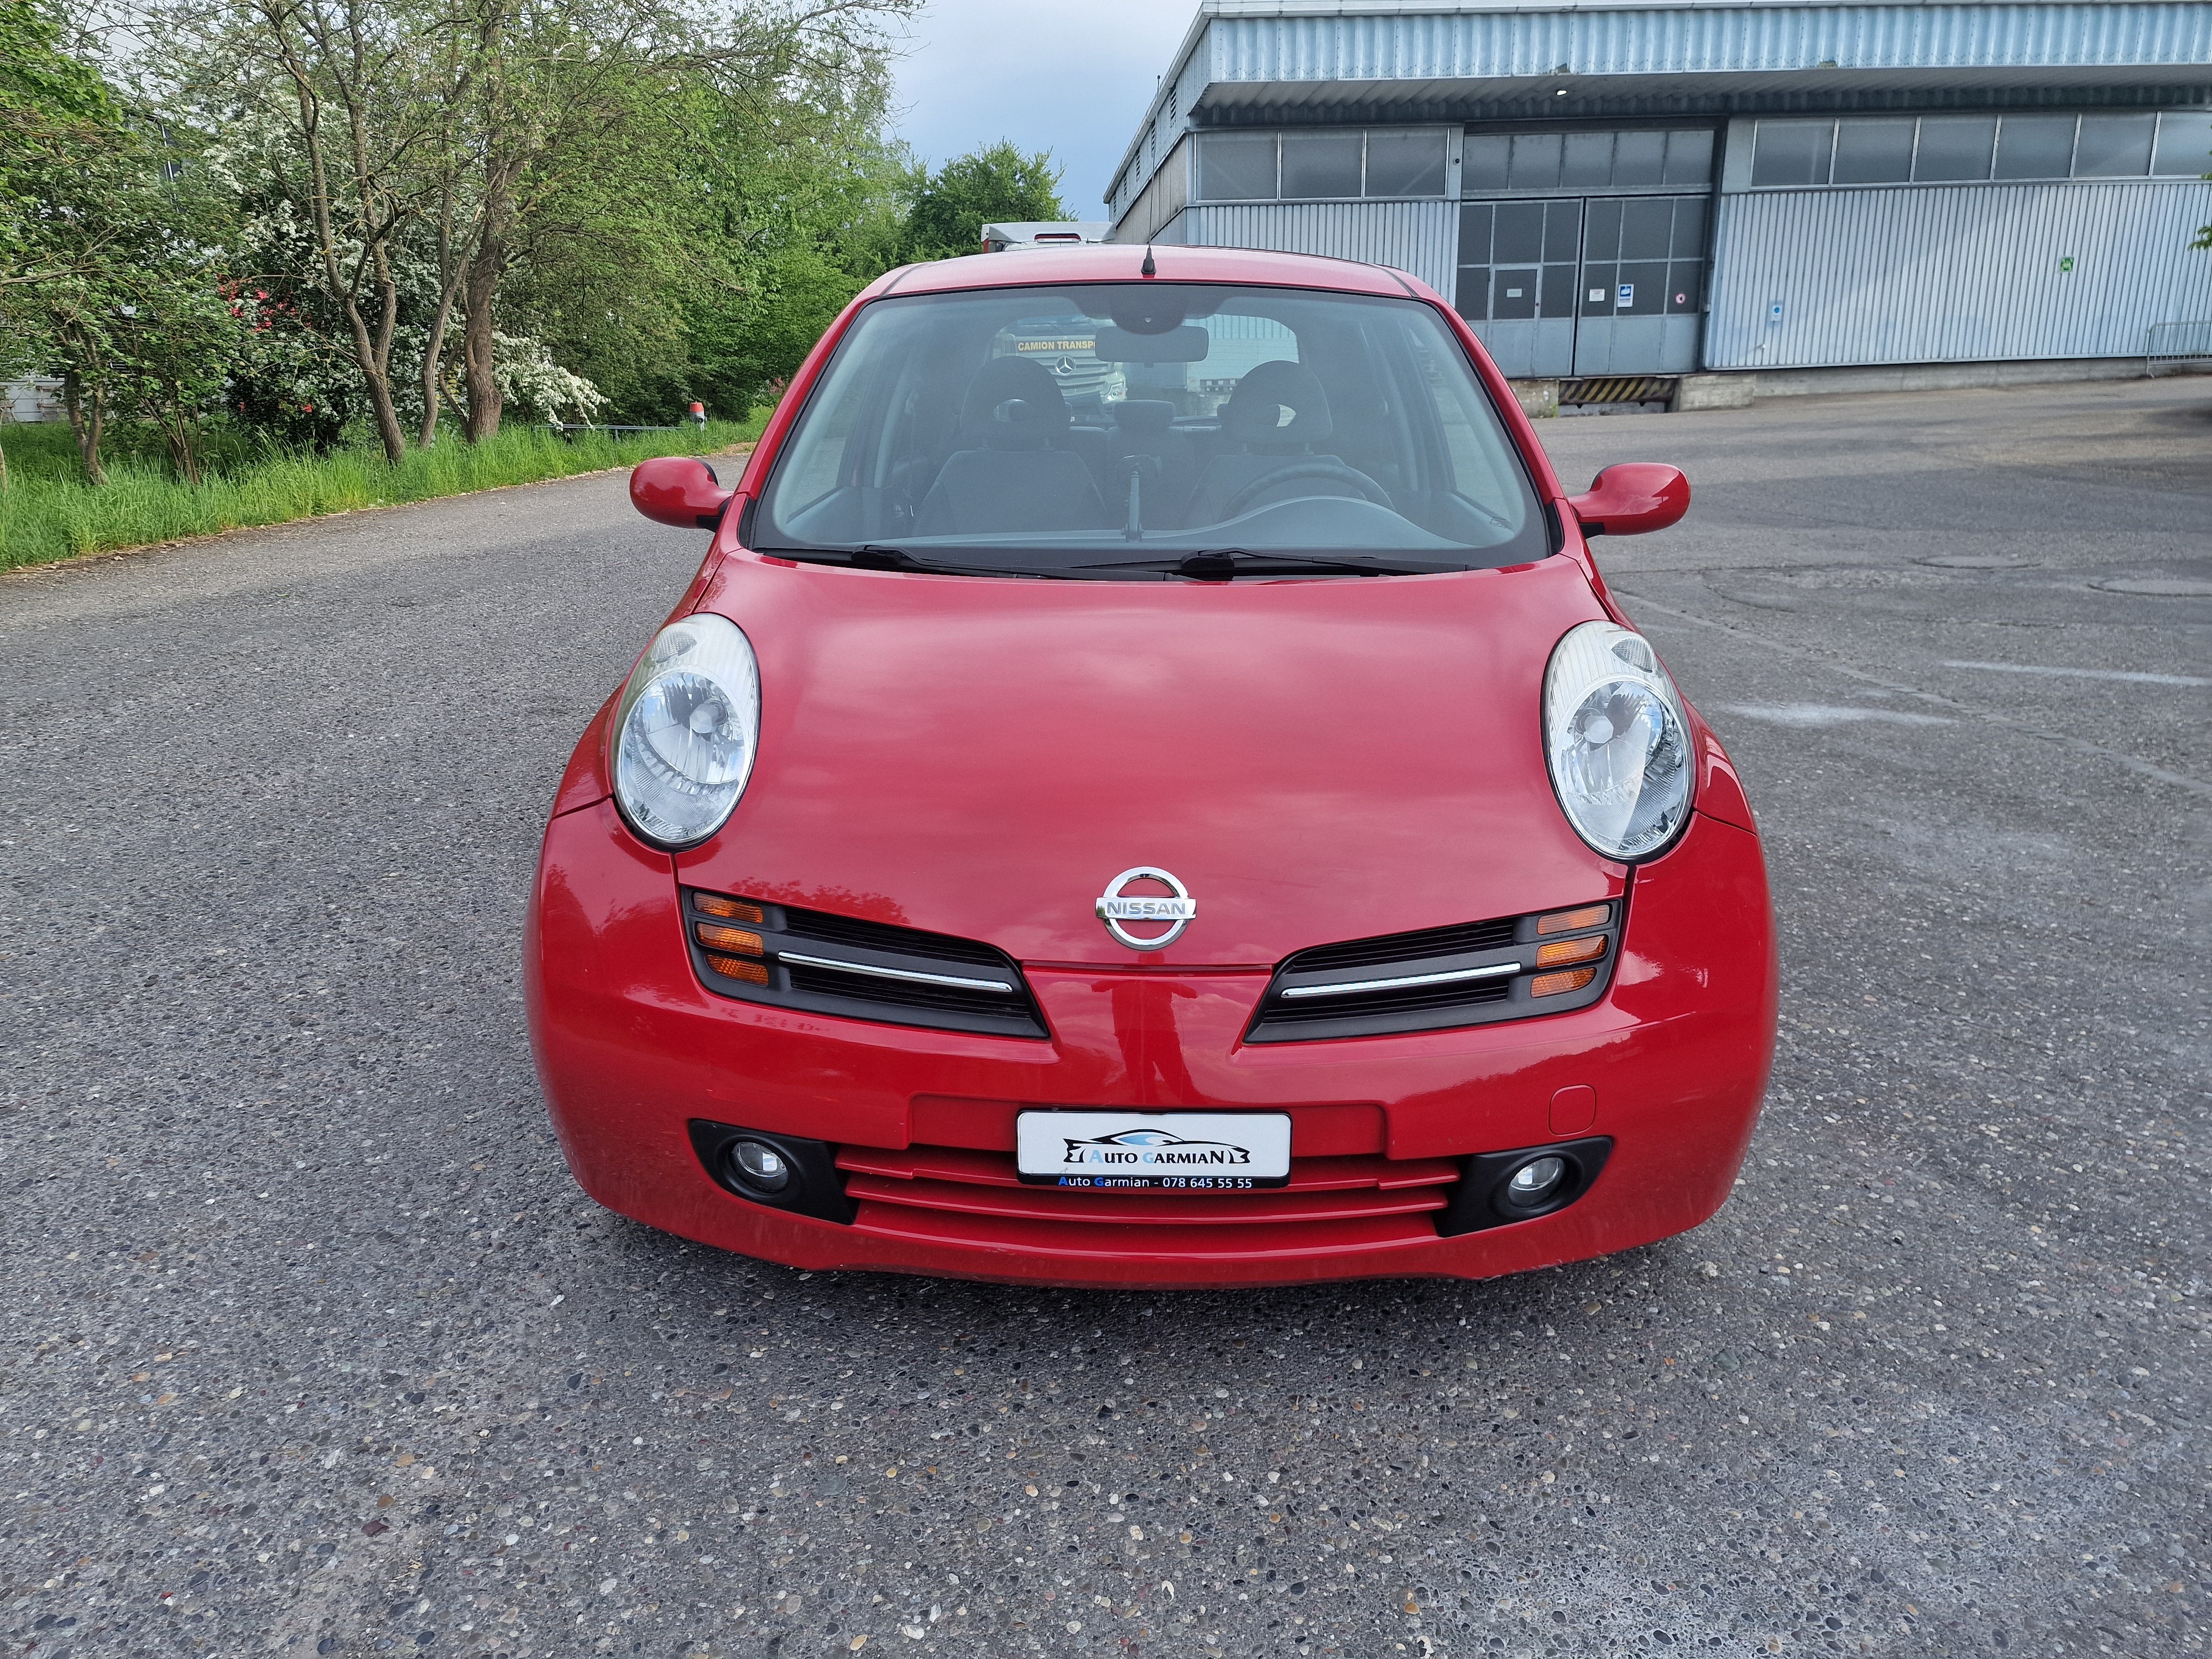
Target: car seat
[
  {"x": 1253, "y": 420},
  {"x": 1009, "y": 478}
]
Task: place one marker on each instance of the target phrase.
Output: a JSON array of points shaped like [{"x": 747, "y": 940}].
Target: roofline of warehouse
[{"x": 1209, "y": 10}]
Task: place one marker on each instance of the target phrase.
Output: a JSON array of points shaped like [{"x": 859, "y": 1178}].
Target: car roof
[{"x": 1122, "y": 261}]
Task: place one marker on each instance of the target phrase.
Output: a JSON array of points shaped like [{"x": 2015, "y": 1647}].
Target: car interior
[{"x": 1187, "y": 418}]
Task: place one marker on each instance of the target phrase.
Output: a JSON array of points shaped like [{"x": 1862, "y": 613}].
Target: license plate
[{"x": 1171, "y": 1151}]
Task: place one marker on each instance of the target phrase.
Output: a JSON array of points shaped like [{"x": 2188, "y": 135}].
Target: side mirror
[
  {"x": 680, "y": 490},
  {"x": 1632, "y": 498}
]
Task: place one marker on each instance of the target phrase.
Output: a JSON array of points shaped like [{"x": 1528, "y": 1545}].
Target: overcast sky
[{"x": 1073, "y": 76}]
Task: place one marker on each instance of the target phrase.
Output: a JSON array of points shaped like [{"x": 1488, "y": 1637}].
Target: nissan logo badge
[{"x": 1177, "y": 911}]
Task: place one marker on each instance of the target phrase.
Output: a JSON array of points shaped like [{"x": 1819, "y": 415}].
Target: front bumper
[{"x": 631, "y": 1049}]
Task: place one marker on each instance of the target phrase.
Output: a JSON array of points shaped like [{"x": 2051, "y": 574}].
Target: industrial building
[{"x": 1621, "y": 194}]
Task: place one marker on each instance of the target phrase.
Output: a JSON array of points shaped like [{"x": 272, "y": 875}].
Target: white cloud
[{"x": 1073, "y": 77}]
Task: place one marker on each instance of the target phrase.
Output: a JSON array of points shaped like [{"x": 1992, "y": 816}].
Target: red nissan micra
[{"x": 1149, "y": 787}]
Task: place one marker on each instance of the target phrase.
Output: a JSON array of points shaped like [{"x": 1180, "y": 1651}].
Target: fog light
[
  {"x": 1535, "y": 1182},
  {"x": 763, "y": 1168}
]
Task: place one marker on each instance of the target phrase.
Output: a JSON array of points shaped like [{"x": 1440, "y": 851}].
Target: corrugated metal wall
[
  {"x": 1662, "y": 40},
  {"x": 1165, "y": 124},
  {"x": 1421, "y": 238},
  {"x": 1952, "y": 273},
  {"x": 1160, "y": 201}
]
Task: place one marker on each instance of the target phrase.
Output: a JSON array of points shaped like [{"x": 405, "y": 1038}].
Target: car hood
[{"x": 1317, "y": 761}]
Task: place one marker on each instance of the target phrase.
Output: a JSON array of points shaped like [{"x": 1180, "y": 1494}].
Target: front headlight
[
  {"x": 1617, "y": 741},
  {"x": 685, "y": 731}
]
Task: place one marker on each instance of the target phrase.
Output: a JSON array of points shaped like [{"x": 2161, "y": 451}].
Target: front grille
[
  {"x": 1408, "y": 947},
  {"x": 829, "y": 929},
  {"x": 825, "y": 963},
  {"x": 966, "y": 1195},
  {"x": 1471, "y": 974}
]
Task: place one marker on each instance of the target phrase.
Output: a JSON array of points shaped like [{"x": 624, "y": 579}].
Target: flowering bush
[
  {"x": 290, "y": 379},
  {"x": 533, "y": 385}
]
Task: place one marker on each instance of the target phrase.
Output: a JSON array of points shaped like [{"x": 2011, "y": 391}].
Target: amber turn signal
[
  {"x": 1551, "y": 985},
  {"x": 753, "y": 973},
  {"x": 729, "y": 938},
  {"x": 713, "y": 904},
  {"x": 1562, "y": 952},
  {"x": 1571, "y": 921}
]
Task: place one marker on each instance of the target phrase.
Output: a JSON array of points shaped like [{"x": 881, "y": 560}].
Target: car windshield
[{"x": 1129, "y": 428}]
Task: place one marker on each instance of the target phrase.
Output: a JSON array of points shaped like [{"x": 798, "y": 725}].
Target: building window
[
  {"x": 1236, "y": 167},
  {"x": 1493, "y": 163},
  {"x": 1785, "y": 153},
  {"x": 1405, "y": 164},
  {"x": 2034, "y": 147},
  {"x": 2114, "y": 146},
  {"x": 1968, "y": 148},
  {"x": 1320, "y": 164},
  {"x": 1955, "y": 149},
  {"x": 1874, "y": 152},
  {"x": 2185, "y": 144},
  {"x": 1533, "y": 162}
]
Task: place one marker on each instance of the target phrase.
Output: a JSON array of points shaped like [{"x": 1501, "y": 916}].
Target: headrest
[
  {"x": 1142, "y": 418},
  {"x": 1013, "y": 404},
  {"x": 1254, "y": 413}
]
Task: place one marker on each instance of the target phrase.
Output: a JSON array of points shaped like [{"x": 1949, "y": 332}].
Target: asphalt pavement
[{"x": 312, "y": 1347}]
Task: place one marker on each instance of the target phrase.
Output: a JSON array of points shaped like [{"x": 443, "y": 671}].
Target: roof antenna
[{"x": 1148, "y": 269}]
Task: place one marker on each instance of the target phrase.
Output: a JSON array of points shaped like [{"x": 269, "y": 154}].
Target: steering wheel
[{"x": 1333, "y": 472}]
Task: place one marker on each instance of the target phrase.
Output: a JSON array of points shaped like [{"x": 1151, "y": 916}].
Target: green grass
[{"x": 49, "y": 513}]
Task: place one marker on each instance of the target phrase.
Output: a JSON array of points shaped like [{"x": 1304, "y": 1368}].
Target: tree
[
  {"x": 952, "y": 206},
  {"x": 753, "y": 226},
  {"x": 592, "y": 100},
  {"x": 51, "y": 106},
  {"x": 178, "y": 359},
  {"x": 301, "y": 211},
  {"x": 110, "y": 233},
  {"x": 352, "y": 104}
]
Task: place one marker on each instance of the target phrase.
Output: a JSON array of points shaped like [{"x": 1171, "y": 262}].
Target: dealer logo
[
  {"x": 1151, "y": 1150},
  {"x": 1176, "y": 908}
]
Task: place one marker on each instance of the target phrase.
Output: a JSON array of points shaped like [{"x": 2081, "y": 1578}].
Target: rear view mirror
[
  {"x": 1633, "y": 498},
  {"x": 678, "y": 489}
]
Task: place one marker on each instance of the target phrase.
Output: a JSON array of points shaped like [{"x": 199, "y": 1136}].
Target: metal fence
[
  {"x": 568, "y": 433},
  {"x": 2177, "y": 343}
]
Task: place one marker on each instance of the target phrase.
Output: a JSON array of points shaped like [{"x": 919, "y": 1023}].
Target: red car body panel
[
  {"x": 1319, "y": 761},
  {"x": 1011, "y": 738}
]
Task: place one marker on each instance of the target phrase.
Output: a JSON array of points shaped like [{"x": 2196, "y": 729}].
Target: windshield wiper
[
  {"x": 875, "y": 556},
  {"x": 1221, "y": 564}
]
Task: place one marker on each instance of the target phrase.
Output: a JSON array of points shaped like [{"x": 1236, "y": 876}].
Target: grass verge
[{"x": 45, "y": 515}]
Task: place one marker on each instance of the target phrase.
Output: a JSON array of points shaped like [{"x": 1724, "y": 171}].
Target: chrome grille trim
[
  {"x": 1495, "y": 971},
  {"x": 908, "y": 975}
]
